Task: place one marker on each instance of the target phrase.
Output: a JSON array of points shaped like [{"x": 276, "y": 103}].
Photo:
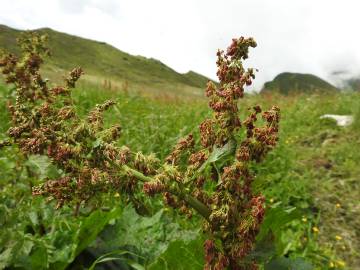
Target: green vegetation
[
  {"x": 289, "y": 83},
  {"x": 314, "y": 168},
  {"x": 210, "y": 177},
  {"x": 353, "y": 84},
  {"x": 310, "y": 182},
  {"x": 104, "y": 62}
]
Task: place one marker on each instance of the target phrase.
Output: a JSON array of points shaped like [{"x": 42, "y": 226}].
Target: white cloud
[{"x": 300, "y": 35}]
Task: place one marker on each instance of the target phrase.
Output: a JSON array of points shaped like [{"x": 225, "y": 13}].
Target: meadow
[
  {"x": 201, "y": 186},
  {"x": 312, "y": 176}
]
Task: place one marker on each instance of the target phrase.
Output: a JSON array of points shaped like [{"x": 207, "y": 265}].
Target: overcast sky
[{"x": 308, "y": 36}]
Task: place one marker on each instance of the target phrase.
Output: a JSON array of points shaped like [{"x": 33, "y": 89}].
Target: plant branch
[{"x": 201, "y": 208}]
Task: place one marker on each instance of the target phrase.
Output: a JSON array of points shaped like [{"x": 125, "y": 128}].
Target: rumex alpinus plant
[{"x": 211, "y": 177}]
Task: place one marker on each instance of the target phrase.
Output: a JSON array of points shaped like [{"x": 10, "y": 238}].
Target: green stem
[
  {"x": 137, "y": 174},
  {"x": 201, "y": 208}
]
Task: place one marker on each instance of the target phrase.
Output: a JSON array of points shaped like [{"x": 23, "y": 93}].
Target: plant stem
[
  {"x": 137, "y": 174},
  {"x": 201, "y": 208}
]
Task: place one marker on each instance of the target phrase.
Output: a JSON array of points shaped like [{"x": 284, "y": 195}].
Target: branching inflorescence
[{"x": 211, "y": 177}]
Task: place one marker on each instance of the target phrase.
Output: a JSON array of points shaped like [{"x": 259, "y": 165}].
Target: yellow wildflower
[
  {"x": 271, "y": 200},
  {"x": 340, "y": 263},
  {"x": 117, "y": 195},
  {"x": 331, "y": 265},
  {"x": 338, "y": 205},
  {"x": 338, "y": 237},
  {"x": 315, "y": 229},
  {"x": 304, "y": 219}
]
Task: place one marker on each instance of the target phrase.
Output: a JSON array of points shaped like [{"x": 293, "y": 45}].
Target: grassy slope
[
  {"x": 287, "y": 83},
  {"x": 102, "y": 61},
  {"x": 196, "y": 79},
  {"x": 314, "y": 168}
]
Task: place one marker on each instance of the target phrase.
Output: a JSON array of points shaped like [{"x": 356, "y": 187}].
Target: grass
[{"x": 314, "y": 168}]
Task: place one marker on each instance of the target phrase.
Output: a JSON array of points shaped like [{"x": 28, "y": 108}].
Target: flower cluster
[
  {"x": 236, "y": 212},
  {"x": 44, "y": 122},
  {"x": 212, "y": 177}
]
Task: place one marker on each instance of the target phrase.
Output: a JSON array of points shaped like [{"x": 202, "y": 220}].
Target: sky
[{"x": 307, "y": 36}]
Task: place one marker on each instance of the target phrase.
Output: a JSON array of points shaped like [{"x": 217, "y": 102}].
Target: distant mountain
[
  {"x": 353, "y": 84},
  {"x": 102, "y": 61},
  {"x": 286, "y": 83}
]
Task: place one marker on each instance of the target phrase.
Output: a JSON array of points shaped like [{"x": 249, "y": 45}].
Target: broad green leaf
[
  {"x": 85, "y": 234},
  {"x": 181, "y": 255},
  {"x": 17, "y": 250},
  {"x": 39, "y": 257},
  {"x": 42, "y": 166},
  {"x": 275, "y": 218},
  {"x": 91, "y": 226},
  {"x": 146, "y": 236},
  {"x": 264, "y": 250}
]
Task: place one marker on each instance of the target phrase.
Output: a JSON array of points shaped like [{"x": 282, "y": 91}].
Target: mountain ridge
[
  {"x": 290, "y": 82},
  {"x": 105, "y": 62}
]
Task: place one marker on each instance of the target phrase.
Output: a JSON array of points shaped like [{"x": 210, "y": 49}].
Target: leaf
[
  {"x": 85, "y": 234},
  {"x": 42, "y": 166},
  {"x": 91, "y": 226},
  {"x": 17, "y": 250},
  {"x": 288, "y": 264},
  {"x": 33, "y": 216},
  {"x": 39, "y": 257},
  {"x": 109, "y": 257},
  {"x": 181, "y": 255},
  {"x": 275, "y": 218},
  {"x": 264, "y": 250},
  {"x": 135, "y": 265},
  {"x": 97, "y": 143},
  {"x": 219, "y": 153},
  {"x": 6, "y": 257},
  {"x": 146, "y": 236},
  {"x": 39, "y": 163}
]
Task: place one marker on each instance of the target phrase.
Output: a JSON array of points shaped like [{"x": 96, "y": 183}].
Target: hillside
[
  {"x": 102, "y": 62},
  {"x": 286, "y": 83}
]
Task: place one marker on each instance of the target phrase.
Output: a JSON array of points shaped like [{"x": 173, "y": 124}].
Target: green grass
[{"x": 314, "y": 168}]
